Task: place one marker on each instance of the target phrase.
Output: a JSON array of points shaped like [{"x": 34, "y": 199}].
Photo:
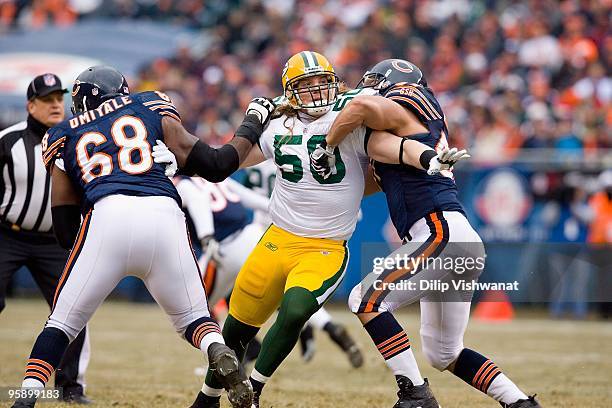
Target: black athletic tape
[
  {"x": 66, "y": 223},
  {"x": 250, "y": 128},
  {"x": 426, "y": 157},
  {"x": 401, "y": 152}
]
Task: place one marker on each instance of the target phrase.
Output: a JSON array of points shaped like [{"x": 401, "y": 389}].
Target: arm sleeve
[
  {"x": 248, "y": 197},
  {"x": 196, "y": 201},
  {"x": 214, "y": 165},
  {"x": 66, "y": 223},
  {"x": 358, "y": 139}
]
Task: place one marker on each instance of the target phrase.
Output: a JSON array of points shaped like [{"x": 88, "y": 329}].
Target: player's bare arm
[
  {"x": 374, "y": 112},
  {"x": 254, "y": 157},
  {"x": 390, "y": 122},
  {"x": 371, "y": 186},
  {"x": 65, "y": 208},
  {"x": 386, "y": 147}
]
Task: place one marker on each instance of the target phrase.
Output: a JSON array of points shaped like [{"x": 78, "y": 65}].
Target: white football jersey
[{"x": 302, "y": 202}]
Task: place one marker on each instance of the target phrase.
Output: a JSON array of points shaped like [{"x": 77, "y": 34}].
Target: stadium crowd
[{"x": 510, "y": 74}]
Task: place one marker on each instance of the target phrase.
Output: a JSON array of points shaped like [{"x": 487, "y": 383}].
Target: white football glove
[
  {"x": 446, "y": 159},
  {"x": 323, "y": 160},
  {"x": 162, "y": 155},
  {"x": 262, "y": 108},
  {"x": 210, "y": 249}
]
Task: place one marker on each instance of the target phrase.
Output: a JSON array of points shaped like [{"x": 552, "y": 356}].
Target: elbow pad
[
  {"x": 214, "y": 165},
  {"x": 66, "y": 223}
]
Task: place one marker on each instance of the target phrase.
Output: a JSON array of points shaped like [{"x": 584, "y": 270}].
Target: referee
[{"x": 26, "y": 237}]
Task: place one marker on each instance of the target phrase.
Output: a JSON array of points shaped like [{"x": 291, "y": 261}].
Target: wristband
[
  {"x": 426, "y": 157},
  {"x": 250, "y": 128}
]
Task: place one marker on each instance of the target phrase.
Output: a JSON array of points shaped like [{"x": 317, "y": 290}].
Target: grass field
[{"x": 138, "y": 361}]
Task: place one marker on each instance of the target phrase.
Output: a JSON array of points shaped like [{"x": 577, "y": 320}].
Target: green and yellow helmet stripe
[{"x": 310, "y": 59}]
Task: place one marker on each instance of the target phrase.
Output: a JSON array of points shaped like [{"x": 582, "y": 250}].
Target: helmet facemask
[
  {"x": 374, "y": 80},
  {"x": 314, "y": 100}
]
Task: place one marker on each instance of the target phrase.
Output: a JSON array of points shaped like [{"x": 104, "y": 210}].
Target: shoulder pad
[
  {"x": 413, "y": 97},
  {"x": 53, "y": 144},
  {"x": 159, "y": 103}
]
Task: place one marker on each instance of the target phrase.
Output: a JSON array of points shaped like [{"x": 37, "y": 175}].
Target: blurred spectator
[
  {"x": 601, "y": 204},
  {"x": 600, "y": 236},
  {"x": 540, "y": 49},
  {"x": 541, "y": 68},
  {"x": 569, "y": 266}
]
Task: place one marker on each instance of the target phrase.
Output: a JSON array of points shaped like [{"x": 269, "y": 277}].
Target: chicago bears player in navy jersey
[
  {"x": 102, "y": 166},
  {"x": 422, "y": 199}
]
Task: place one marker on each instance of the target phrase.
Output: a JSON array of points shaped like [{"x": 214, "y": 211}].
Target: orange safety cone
[
  {"x": 494, "y": 307},
  {"x": 220, "y": 308}
]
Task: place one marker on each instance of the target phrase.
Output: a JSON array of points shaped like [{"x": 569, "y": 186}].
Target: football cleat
[
  {"x": 24, "y": 403},
  {"x": 342, "y": 338},
  {"x": 256, "y": 396},
  {"x": 414, "y": 396},
  {"x": 228, "y": 370},
  {"x": 355, "y": 356},
  {"x": 204, "y": 401},
  {"x": 75, "y": 397},
  {"x": 530, "y": 402}
]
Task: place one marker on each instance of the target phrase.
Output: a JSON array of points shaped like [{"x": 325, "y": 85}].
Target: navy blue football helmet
[
  {"x": 96, "y": 85},
  {"x": 391, "y": 71}
]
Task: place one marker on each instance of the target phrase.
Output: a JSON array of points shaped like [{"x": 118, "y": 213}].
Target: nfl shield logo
[
  {"x": 94, "y": 91},
  {"x": 49, "y": 79}
]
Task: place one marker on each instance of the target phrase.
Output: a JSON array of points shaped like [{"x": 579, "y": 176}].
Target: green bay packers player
[
  {"x": 260, "y": 179},
  {"x": 302, "y": 257}
]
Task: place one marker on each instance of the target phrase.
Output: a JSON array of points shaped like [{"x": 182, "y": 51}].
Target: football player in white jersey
[
  {"x": 260, "y": 179},
  {"x": 302, "y": 257}
]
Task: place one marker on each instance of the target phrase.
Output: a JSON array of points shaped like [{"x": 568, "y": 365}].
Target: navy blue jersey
[
  {"x": 107, "y": 150},
  {"x": 232, "y": 218},
  {"x": 228, "y": 213},
  {"x": 412, "y": 193}
]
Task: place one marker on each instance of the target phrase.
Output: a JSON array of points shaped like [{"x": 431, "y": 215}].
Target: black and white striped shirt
[{"x": 24, "y": 183}]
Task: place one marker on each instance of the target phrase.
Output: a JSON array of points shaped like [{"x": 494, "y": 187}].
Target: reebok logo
[{"x": 271, "y": 246}]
